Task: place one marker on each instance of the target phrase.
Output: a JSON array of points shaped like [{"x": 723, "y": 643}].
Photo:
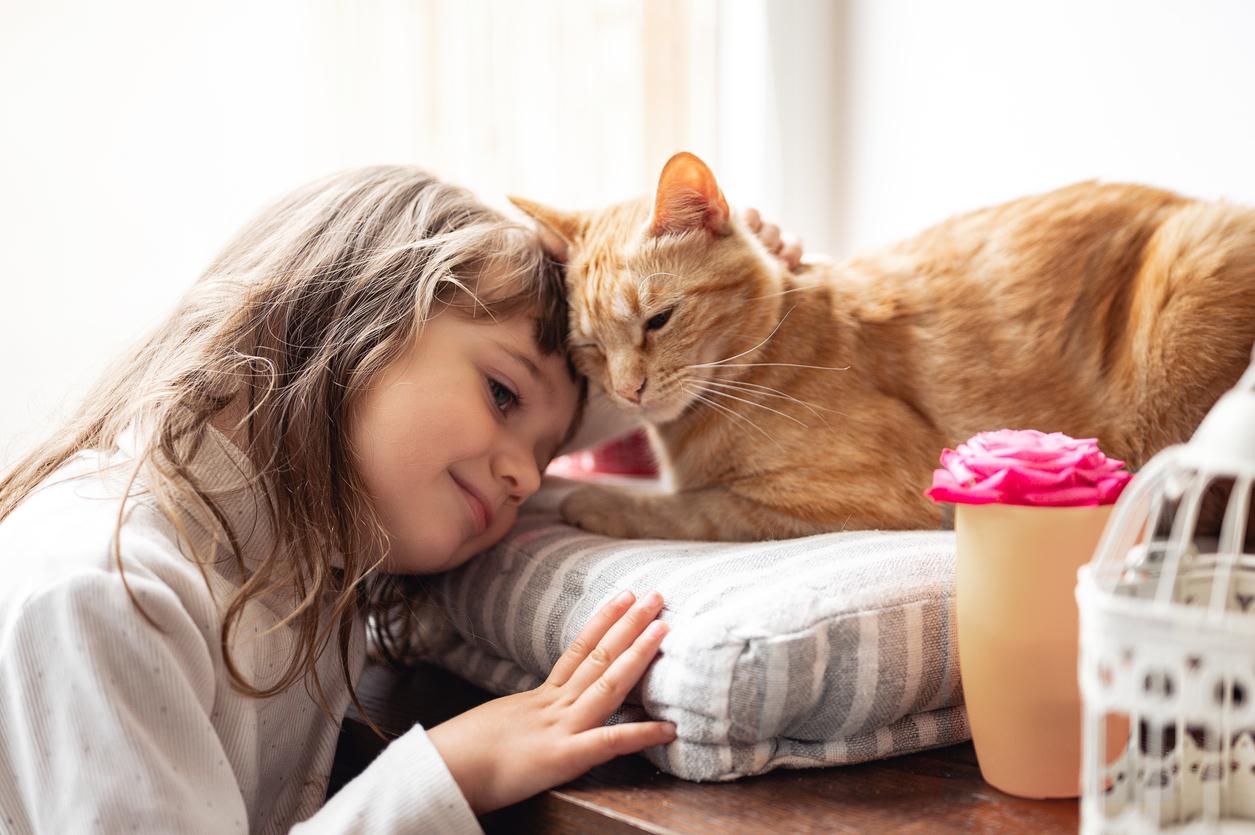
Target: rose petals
[{"x": 1027, "y": 467}]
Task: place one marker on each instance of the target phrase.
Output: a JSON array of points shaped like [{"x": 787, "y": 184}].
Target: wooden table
[{"x": 932, "y": 792}]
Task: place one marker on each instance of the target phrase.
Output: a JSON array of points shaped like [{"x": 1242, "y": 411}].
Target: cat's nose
[{"x": 632, "y": 389}]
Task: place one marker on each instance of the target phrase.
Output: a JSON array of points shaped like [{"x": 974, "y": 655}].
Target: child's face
[{"x": 451, "y": 438}]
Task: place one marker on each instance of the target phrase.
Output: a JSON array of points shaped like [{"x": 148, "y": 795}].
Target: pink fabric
[
  {"x": 629, "y": 455},
  {"x": 1027, "y": 467}
]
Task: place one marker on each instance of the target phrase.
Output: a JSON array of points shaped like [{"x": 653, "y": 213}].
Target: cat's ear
[
  {"x": 558, "y": 229},
  {"x": 688, "y": 199}
]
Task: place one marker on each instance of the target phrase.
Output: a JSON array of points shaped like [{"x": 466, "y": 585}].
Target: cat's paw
[{"x": 598, "y": 510}]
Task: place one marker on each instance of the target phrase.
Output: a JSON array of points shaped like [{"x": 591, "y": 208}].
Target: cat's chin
[{"x": 660, "y": 413}]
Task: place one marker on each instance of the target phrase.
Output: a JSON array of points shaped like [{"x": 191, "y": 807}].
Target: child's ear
[
  {"x": 558, "y": 230},
  {"x": 688, "y": 199}
]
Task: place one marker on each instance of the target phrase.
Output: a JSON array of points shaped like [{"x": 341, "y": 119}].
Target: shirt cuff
[{"x": 407, "y": 786}]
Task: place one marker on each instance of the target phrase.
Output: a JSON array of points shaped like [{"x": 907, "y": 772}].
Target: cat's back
[
  {"x": 1028, "y": 258},
  {"x": 1088, "y": 299},
  {"x": 995, "y": 278},
  {"x": 1058, "y": 234}
]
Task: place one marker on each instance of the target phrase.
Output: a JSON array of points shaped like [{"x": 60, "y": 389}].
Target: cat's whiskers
[
  {"x": 822, "y": 368},
  {"x": 752, "y": 403},
  {"x": 800, "y": 289},
  {"x": 662, "y": 389},
  {"x": 751, "y": 350},
  {"x": 697, "y": 395},
  {"x": 780, "y": 364},
  {"x": 640, "y": 285},
  {"x": 767, "y": 391}
]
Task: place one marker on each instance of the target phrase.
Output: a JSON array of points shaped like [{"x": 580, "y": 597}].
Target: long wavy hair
[{"x": 290, "y": 323}]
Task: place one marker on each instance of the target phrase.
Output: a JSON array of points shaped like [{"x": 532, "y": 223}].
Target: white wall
[
  {"x": 782, "y": 110},
  {"x": 859, "y": 122},
  {"x": 965, "y": 103},
  {"x": 136, "y": 136}
]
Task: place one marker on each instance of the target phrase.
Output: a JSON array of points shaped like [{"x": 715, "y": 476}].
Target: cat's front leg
[
  {"x": 709, "y": 514},
  {"x": 605, "y": 510}
]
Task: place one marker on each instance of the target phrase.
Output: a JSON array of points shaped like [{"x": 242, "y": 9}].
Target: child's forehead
[
  {"x": 520, "y": 325},
  {"x": 520, "y": 333},
  {"x": 537, "y": 294},
  {"x": 538, "y": 327}
]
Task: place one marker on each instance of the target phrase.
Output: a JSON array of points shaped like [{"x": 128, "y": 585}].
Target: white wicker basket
[{"x": 1167, "y": 663}]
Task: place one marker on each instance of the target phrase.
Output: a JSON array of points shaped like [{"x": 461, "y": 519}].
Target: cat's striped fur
[{"x": 794, "y": 403}]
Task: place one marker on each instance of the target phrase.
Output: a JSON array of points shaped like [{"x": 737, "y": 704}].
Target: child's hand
[
  {"x": 785, "y": 247},
  {"x": 511, "y": 748}
]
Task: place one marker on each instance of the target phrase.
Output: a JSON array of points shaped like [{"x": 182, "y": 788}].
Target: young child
[{"x": 360, "y": 391}]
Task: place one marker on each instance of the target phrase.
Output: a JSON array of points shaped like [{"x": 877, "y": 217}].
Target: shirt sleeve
[
  {"x": 408, "y": 782},
  {"x": 104, "y": 721},
  {"x": 105, "y": 727}
]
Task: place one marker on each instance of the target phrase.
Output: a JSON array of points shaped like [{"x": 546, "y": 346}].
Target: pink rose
[{"x": 1027, "y": 467}]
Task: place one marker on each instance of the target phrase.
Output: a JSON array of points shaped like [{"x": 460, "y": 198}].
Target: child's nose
[{"x": 517, "y": 468}]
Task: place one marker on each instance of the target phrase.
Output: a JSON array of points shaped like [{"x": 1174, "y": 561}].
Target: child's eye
[
  {"x": 658, "y": 320},
  {"x": 502, "y": 396}
]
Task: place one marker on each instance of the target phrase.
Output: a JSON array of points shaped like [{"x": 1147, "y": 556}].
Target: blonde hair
[{"x": 292, "y": 320}]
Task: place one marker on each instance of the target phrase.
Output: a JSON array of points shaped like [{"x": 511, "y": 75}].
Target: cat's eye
[{"x": 656, "y": 321}]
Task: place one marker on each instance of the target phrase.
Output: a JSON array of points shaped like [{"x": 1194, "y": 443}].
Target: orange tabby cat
[{"x": 794, "y": 403}]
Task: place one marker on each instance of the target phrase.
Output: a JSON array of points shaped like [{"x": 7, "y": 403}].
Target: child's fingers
[
  {"x": 770, "y": 236},
  {"x": 604, "y": 743},
  {"x": 590, "y": 636},
  {"x": 616, "y": 640},
  {"x": 753, "y": 220},
  {"x": 791, "y": 253},
  {"x": 604, "y": 695}
]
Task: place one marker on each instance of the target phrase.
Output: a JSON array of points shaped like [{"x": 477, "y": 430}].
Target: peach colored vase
[{"x": 1017, "y": 630}]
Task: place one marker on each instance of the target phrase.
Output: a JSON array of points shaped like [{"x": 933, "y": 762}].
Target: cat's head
[{"x": 664, "y": 292}]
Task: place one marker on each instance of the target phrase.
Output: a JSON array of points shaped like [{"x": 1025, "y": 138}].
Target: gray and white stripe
[{"x": 826, "y": 650}]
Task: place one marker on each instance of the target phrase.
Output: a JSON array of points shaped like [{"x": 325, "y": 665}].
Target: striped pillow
[{"x": 827, "y": 650}]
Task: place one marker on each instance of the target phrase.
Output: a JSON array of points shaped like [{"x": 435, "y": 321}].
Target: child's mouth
[{"x": 481, "y": 514}]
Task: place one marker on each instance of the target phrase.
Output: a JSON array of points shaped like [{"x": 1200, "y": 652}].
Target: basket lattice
[{"x": 1167, "y": 664}]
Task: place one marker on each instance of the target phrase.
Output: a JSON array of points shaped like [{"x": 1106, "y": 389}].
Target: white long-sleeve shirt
[{"x": 111, "y": 724}]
